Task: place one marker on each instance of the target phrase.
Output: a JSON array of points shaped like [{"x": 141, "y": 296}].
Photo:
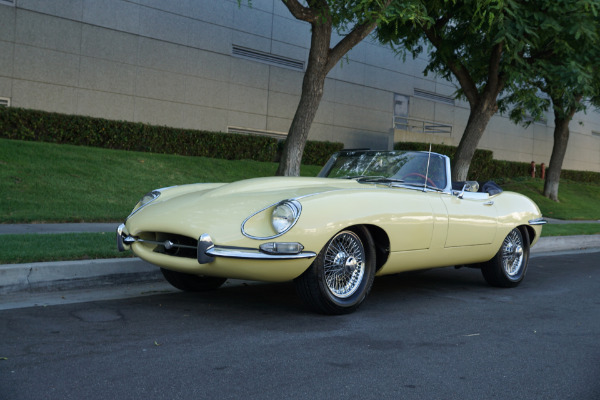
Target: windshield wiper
[
  {"x": 360, "y": 177},
  {"x": 378, "y": 179}
]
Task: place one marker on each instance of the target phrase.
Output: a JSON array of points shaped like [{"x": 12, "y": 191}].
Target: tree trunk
[
  {"x": 559, "y": 149},
  {"x": 312, "y": 93},
  {"x": 293, "y": 148},
  {"x": 478, "y": 119}
]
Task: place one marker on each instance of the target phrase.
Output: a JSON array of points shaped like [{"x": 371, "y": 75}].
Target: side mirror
[{"x": 469, "y": 186}]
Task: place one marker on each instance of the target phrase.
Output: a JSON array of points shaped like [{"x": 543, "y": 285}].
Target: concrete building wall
[{"x": 173, "y": 63}]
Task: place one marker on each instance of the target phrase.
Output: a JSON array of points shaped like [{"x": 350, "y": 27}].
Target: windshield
[{"x": 407, "y": 167}]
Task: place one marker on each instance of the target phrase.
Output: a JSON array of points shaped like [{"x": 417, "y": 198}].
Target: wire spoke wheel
[
  {"x": 344, "y": 265},
  {"x": 512, "y": 253},
  {"x": 508, "y": 267},
  {"x": 340, "y": 278}
]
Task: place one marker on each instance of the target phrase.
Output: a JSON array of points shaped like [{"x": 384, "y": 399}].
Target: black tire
[
  {"x": 192, "y": 283},
  {"x": 341, "y": 276},
  {"x": 509, "y": 265}
]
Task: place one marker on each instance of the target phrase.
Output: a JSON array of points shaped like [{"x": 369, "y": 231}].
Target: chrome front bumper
[{"x": 207, "y": 250}]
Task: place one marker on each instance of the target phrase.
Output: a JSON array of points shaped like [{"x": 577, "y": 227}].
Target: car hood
[{"x": 221, "y": 208}]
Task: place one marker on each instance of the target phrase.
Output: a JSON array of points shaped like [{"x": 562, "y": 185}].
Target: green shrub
[{"x": 33, "y": 125}]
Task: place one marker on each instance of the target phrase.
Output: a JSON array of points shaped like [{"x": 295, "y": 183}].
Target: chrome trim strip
[
  {"x": 256, "y": 254},
  {"x": 538, "y": 221}
]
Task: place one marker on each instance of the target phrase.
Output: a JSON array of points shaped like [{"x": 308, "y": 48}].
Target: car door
[{"x": 472, "y": 219}]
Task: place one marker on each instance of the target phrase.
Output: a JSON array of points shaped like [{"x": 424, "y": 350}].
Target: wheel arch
[
  {"x": 530, "y": 233},
  {"x": 380, "y": 239}
]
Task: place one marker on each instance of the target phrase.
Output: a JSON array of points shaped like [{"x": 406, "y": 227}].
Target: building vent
[
  {"x": 4, "y": 102},
  {"x": 434, "y": 96},
  {"x": 8, "y": 2},
  {"x": 267, "y": 58},
  {"x": 595, "y": 133},
  {"x": 247, "y": 131}
]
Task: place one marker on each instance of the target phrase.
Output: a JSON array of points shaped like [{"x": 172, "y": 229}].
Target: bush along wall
[
  {"x": 33, "y": 125},
  {"x": 483, "y": 166}
]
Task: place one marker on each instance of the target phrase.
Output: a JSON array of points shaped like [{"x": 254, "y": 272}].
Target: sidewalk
[{"x": 63, "y": 275}]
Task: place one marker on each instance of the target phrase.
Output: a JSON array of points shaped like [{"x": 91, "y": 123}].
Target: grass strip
[
  {"x": 17, "y": 249},
  {"x": 570, "y": 229}
]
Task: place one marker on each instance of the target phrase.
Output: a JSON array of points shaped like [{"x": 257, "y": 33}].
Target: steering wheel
[{"x": 420, "y": 176}]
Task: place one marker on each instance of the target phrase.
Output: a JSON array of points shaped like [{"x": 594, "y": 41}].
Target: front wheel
[
  {"x": 508, "y": 267},
  {"x": 192, "y": 283},
  {"x": 341, "y": 276}
]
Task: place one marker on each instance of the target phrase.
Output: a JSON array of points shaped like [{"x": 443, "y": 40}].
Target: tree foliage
[
  {"x": 563, "y": 64},
  {"x": 484, "y": 46}
]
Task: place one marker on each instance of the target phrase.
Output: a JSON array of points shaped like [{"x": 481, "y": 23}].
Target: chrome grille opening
[{"x": 175, "y": 245}]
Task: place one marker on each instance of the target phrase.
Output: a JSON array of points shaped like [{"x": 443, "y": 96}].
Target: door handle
[{"x": 489, "y": 203}]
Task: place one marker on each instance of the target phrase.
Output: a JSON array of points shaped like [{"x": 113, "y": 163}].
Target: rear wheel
[
  {"x": 508, "y": 267},
  {"x": 192, "y": 283},
  {"x": 341, "y": 276}
]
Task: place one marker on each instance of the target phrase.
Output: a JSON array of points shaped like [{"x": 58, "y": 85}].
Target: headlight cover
[
  {"x": 282, "y": 217},
  {"x": 145, "y": 200},
  {"x": 285, "y": 215}
]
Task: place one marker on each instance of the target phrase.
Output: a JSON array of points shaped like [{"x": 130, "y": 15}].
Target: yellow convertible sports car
[{"x": 368, "y": 213}]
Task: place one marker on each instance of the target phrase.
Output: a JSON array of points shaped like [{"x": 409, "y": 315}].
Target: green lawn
[
  {"x": 43, "y": 182},
  {"x": 577, "y": 201}
]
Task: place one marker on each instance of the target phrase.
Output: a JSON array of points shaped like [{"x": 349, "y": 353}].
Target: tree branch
[
  {"x": 299, "y": 11},
  {"x": 495, "y": 82},
  {"x": 355, "y": 36},
  {"x": 458, "y": 69}
]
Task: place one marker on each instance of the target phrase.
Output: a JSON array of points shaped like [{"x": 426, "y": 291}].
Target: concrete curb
[
  {"x": 68, "y": 275},
  {"x": 566, "y": 243},
  {"x": 63, "y": 275}
]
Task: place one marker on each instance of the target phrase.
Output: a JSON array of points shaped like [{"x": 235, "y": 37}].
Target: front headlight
[
  {"x": 285, "y": 215},
  {"x": 144, "y": 201}
]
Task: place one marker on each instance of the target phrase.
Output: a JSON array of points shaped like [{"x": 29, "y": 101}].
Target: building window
[
  {"x": 4, "y": 102},
  {"x": 401, "y": 103}
]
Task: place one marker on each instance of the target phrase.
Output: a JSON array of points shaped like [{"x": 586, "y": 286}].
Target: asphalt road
[{"x": 441, "y": 334}]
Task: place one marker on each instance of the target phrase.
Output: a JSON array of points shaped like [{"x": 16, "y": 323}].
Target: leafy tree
[
  {"x": 478, "y": 43},
  {"x": 563, "y": 64},
  {"x": 356, "y": 17}
]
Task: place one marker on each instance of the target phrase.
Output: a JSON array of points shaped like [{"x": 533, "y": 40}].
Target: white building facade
[{"x": 216, "y": 65}]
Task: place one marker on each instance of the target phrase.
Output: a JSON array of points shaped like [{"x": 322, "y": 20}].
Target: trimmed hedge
[
  {"x": 483, "y": 166},
  {"x": 34, "y": 125}
]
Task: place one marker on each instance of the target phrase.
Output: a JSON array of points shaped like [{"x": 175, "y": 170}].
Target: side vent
[
  {"x": 7, "y": 2},
  {"x": 267, "y": 58},
  {"x": 4, "y": 102},
  {"x": 434, "y": 96},
  {"x": 247, "y": 131}
]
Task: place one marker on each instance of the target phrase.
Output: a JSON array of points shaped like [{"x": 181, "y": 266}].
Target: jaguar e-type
[{"x": 367, "y": 213}]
